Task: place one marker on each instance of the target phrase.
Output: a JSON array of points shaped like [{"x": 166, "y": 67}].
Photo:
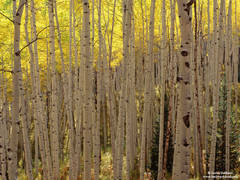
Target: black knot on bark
[
  {"x": 186, "y": 120},
  {"x": 185, "y": 143},
  {"x": 187, "y": 64},
  {"x": 184, "y": 53},
  {"x": 17, "y": 53},
  {"x": 179, "y": 79}
]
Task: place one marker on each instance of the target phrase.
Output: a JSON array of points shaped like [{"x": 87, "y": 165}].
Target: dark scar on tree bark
[
  {"x": 185, "y": 143},
  {"x": 179, "y": 79},
  {"x": 186, "y": 121},
  {"x": 184, "y": 53}
]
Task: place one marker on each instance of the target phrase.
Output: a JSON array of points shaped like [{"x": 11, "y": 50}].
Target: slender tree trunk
[
  {"x": 112, "y": 105},
  {"x": 216, "y": 84},
  {"x": 228, "y": 66},
  {"x": 236, "y": 62},
  {"x": 3, "y": 128},
  {"x": 87, "y": 91},
  {"x": 17, "y": 14},
  {"x": 70, "y": 99},
  {"x": 54, "y": 119},
  {"x": 163, "y": 72},
  {"x": 147, "y": 95},
  {"x": 129, "y": 99}
]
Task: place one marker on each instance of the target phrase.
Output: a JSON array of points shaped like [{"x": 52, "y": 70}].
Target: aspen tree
[
  {"x": 77, "y": 118},
  {"x": 215, "y": 79},
  {"x": 149, "y": 122},
  {"x": 6, "y": 136},
  {"x": 94, "y": 118},
  {"x": 54, "y": 119},
  {"x": 147, "y": 93},
  {"x": 197, "y": 95},
  {"x": 112, "y": 105},
  {"x": 172, "y": 69},
  {"x": 141, "y": 63},
  {"x": 201, "y": 130},
  {"x": 70, "y": 98},
  {"x": 41, "y": 118},
  {"x": 129, "y": 99},
  {"x": 236, "y": 62},
  {"x": 228, "y": 66},
  {"x": 23, "y": 116},
  {"x": 79, "y": 126},
  {"x": 87, "y": 91},
  {"x": 3, "y": 128},
  {"x": 122, "y": 105},
  {"x": 96, "y": 126},
  {"x": 105, "y": 83},
  {"x": 163, "y": 68},
  {"x": 106, "y": 91},
  {"x": 37, "y": 129},
  {"x": 26, "y": 141},
  {"x": 194, "y": 93},
  {"x": 2, "y": 150},
  {"x": 173, "y": 64},
  {"x": 133, "y": 90},
  {"x": 182, "y": 147},
  {"x": 17, "y": 15},
  {"x": 207, "y": 81},
  {"x": 64, "y": 76}
]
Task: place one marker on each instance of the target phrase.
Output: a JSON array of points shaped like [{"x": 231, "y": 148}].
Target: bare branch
[
  {"x": 37, "y": 38},
  {"x": 4, "y": 70},
  {"x": 21, "y": 4},
  {"x": 190, "y": 3},
  {"x": 42, "y": 30},
  {"x": 18, "y": 52},
  {"x": 6, "y": 17}
]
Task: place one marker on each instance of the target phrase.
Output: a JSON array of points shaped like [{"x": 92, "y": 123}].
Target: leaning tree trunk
[{"x": 12, "y": 160}]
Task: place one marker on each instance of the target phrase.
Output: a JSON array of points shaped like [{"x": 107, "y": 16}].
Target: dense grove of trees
[{"x": 119, "y": 89}]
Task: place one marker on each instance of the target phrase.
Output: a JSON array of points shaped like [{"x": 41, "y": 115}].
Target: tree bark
[
  {"x": 181, "y": 162},
  {"x": 54, "y": 113},
  {"x": 87, "y": 91}
]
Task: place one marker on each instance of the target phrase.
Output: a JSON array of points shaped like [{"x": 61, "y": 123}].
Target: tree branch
[
  {"x": 4, "y": 70},
  {"x": 18, "y": 52},
  {"x": 190, "y": 3},
  {"x": 21, "y": 4},
  {"x": 6, "y": 17}
]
